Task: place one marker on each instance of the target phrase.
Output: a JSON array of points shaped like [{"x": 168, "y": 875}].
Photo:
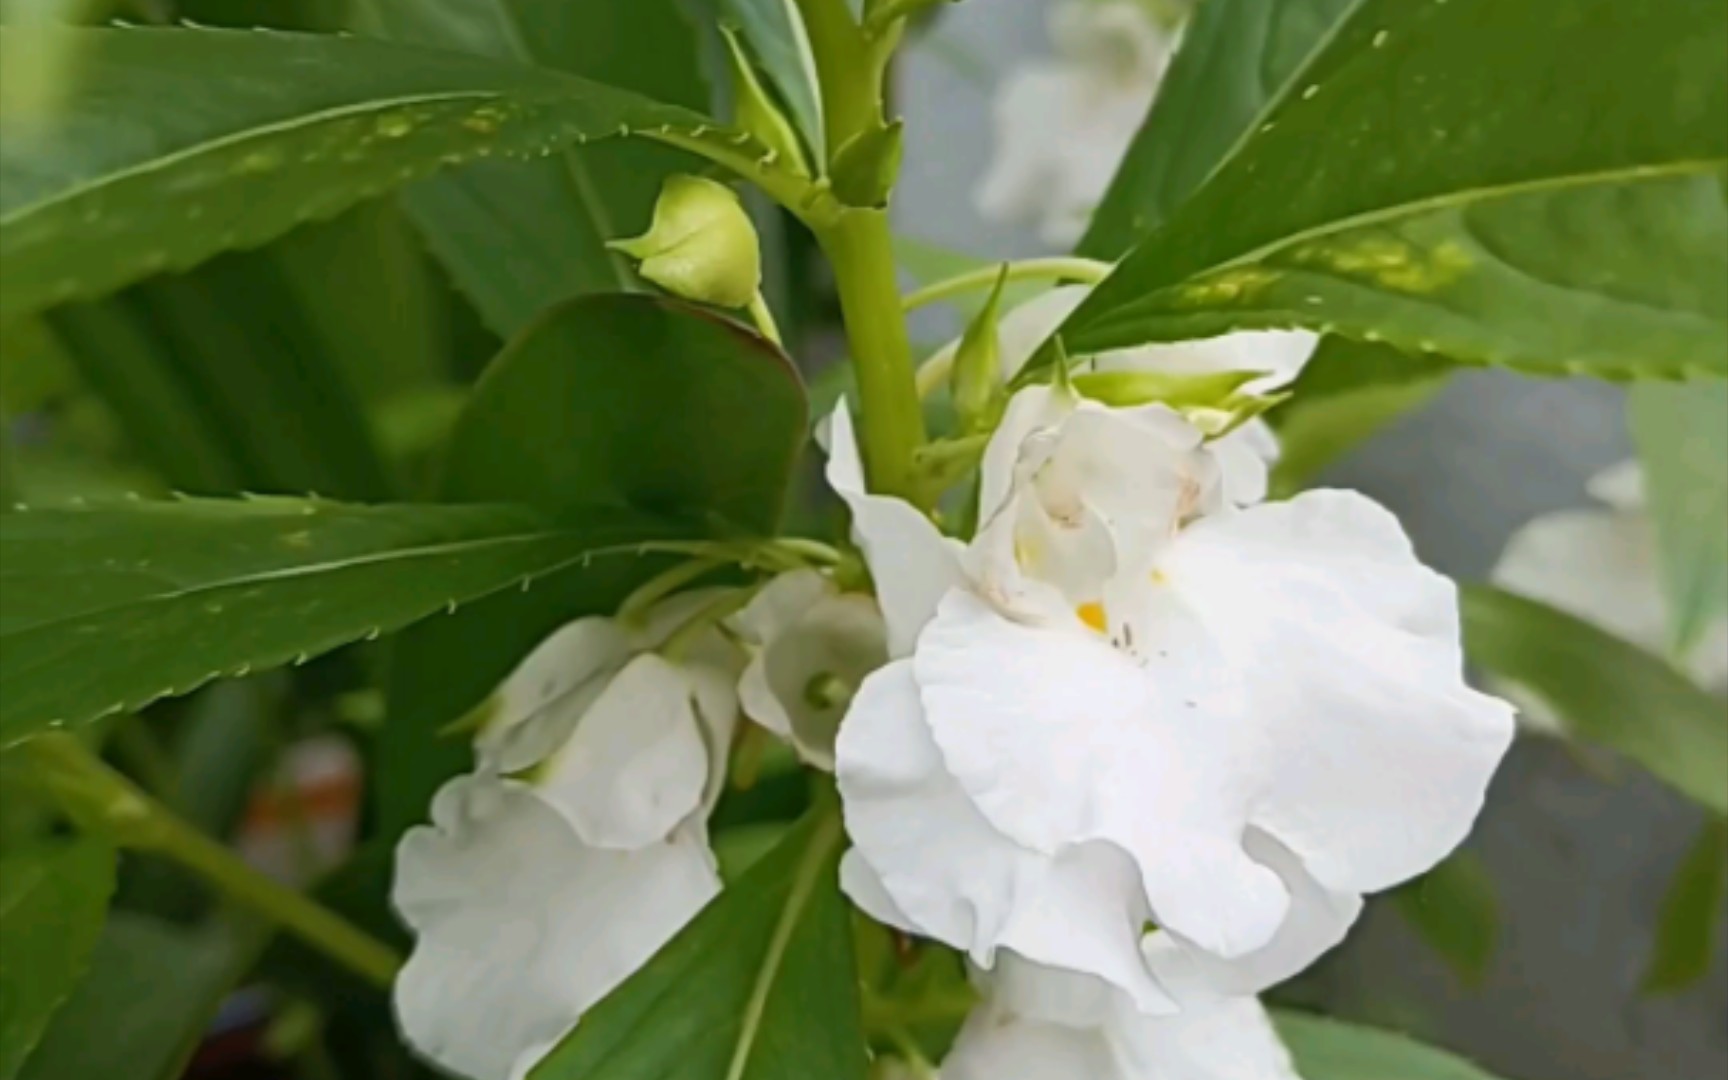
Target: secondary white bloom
[
  {"x": 1145, "y": 706},
  {"x": 1040, "y": 1024},
  {"x": 575, "y": 850},
  {"x": 814, "y": 644},
  {"x": 1245, "y": 454},
  {"x": 1600, "y": 565},
  {"x": 1062, "y": 125}
]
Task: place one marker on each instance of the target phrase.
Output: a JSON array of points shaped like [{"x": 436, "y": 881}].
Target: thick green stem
[
  {"x": 861, "y": 250},
  {"x": 851, "y": 92},
  {"x": 101, "y": 800}
]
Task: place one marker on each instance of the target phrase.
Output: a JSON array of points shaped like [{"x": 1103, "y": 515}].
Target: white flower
[
  {"x": 575, "y": 850},
  {"x": 1600, "y": 565},
  {"x": 814, "y": 645},
  {"x": 1146, "y": 707},
  {"x": 1063, "y": 125},
  {"x": 1040, "y": 1024},
  {"x": 1245, "y": 454}
]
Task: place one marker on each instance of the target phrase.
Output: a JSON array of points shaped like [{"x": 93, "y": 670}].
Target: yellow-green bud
[
  {"x": 700, "y": 245},
  {"x": 976, "y": 378}
]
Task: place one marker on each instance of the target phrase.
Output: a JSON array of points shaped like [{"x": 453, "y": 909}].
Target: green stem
[
  {"x": 861, "y": 250},
  {"x": 851, "y": 93},
  {"x": 101, "y": 800},
  {"x": 1089, "y": 271}
]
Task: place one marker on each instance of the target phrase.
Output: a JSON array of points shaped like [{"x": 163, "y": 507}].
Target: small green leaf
[
  {"x": 52, "y": 899},
  {"x": 1347, "y": 393},
  {"x": 109, "y": 608},
  {"x": 1682, "y": 437},
  {"x": 1690, "y": 922},
  {"x": 1327, "y": 1049},
  {"x": 1453, "y": 908},
  {"x": 628, "y": 401},
  {"x": 1235, "y": 61},
  {"x": 127, "y": 178},
  {"x": 1604, "y": 689},
  {"x": 775, "y": 30},
  {"x": 151, "y": 993},
  {"x": 519, "y": 237},
  {"x": 1526, "y": 198},
  {"x": 761, "y": 986}
]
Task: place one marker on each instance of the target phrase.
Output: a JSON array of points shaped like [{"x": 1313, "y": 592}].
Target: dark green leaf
[
  {"x": 1454, "y": 909},
  {"x": 775, "y": 32},
  {"x": 109, "y": 608},
  {"x": 1235, "y": 61},
  {"x": 1522, "y": 195},
  {"x": 1604, "y": 689},
  {"x": 174, "y": 145},
  {"x": 520, "y": 238},
  {"x": 1331, "y": 1050},
  {"x": 615, "y": 400},
  {"x": 1682, "y": 438},
  {"x": 1690, "y": 922},
  {"x": 760, "y": 986},
  {"x": 152, "y": 990},
  {"x": 1346, "y": 393},
  {"x": 52, "y": 899}
]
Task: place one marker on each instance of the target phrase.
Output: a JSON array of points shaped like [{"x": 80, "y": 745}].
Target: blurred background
[{"x": 219, "y": 380}]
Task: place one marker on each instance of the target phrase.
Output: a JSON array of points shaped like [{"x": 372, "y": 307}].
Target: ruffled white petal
[
  {"x": 539, "y": 703},
  {"x": 1351, "y": 649},
  {"x": 1280, "y": 354},
  {"x": 637, "y": 763},
  {"x": 921, "y": 846},
  {"x": 1038, "y": 1023},
  {"x": 521, "y": 927},
  {"x": 913, "y": 563},
  {"x": 801, "y": 682}
]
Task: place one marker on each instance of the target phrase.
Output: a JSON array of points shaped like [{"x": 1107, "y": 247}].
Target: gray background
[{"x": 1581, "y": 848}]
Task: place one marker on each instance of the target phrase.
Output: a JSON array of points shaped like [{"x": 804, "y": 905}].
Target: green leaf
[
  {"x": 1527, "y": 197},
  {"x": 760, "y": 986},
  {"x": 52, "y": 899},
  {"x": 152, "y": 990},
  {"x": 1235, "y": 61},
  {"x": 1454, "y": 909},
  {"x": 775, "y": 31},
  {"x": 518, "y": 238},
  {"x": 1604, "y": 689},
  {"x": 1347, "y": 393},
  {"x": 109, "y": 608},
  {"x": 627, "y": 401},
  {"x": 174, "y": 145},
  {"x": 1690, "y": 922},
  {"x": 1682, "y": 437},
  {"x": 1327, "y": 1049}
]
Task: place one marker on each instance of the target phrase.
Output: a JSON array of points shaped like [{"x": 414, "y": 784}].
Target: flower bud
[
  {"x": 976, "y": 378},
  {"x": 700, "y": 246}
]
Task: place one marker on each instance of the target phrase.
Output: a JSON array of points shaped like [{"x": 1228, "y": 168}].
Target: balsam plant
[{"x": 1062, "y": 722}]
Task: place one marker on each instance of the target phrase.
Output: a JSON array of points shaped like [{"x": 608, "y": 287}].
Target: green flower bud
[
  {"x": 700, "y": 246},
  {"x": 976, "y": 378}
]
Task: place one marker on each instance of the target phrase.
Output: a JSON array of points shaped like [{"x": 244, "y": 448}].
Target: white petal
[
  {"x": 1245, "y": 459},
  {"x": 759, "y": 701},
  {"x": 1228, "y": 1039},
  {"x": 993, "y": 1045},
  {"x": 913, "y": 564},
  {"x": 1281, "y": 354},
  {"x": 1034, "y": 409},
  {"x": 919, "y": 843},
  {"x": 637, "y": 764},
  {"x": 1351, "y": 650},
  {"x": 521, "y": 927},
  {"x": 1058, "y": 738},
  {"x": 1620, "y": 486},
  {"x": 1318, "y": 920},
  {"x": 779, "y": 604},
  {"x": 839, "y": 637},
  {"x": 539, "y": 703}
]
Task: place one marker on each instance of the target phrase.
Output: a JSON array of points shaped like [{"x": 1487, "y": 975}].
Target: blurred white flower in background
[
  {"x": 579, "y": 844},
  {"x": 1063, "y": 125},
  {"x": 1132, "y": 704},
  {"x": 1039, "y": 1024},
  {"x": 1600, "y": 564}
]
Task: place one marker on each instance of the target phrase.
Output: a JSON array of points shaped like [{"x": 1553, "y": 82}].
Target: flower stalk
[{"x": 102, "y": 801}]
